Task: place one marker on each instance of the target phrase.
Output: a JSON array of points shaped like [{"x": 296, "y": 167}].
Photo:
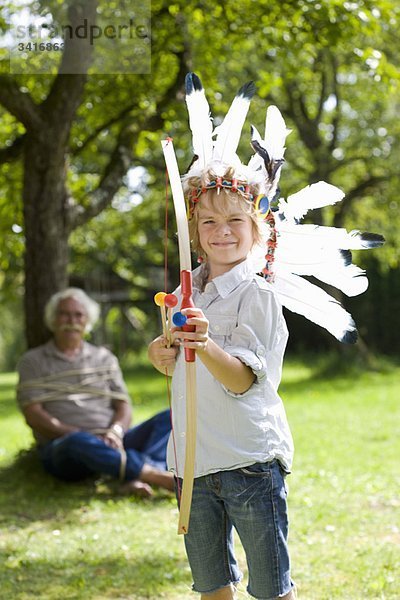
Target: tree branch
[
  {"x": 122, "y": 156},
  {"x": 357, "y": 192},
  {"x": 184, "y": 66},
  {"x": 63, "y": 99},
  {"x": 322, "y": 96},
  {"x": 14, "y": 151},
  {"x": 19, "y": 104},
  {"x": 65, "y": 94},
  {"x": 119, "y": 163},
  {"x": 336, "y": 116},
  {"x": 106, "y": 125},
  {"x": 298, "y": 112}
]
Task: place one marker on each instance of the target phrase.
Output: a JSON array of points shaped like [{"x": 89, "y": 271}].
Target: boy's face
[{"x": 226, "y": 237}]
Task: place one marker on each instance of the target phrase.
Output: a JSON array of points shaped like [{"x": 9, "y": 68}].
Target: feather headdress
[{"x": 294, "y": 250}]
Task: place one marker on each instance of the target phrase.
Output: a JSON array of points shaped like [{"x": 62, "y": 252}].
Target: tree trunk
[{"x": 46, "y": 231}]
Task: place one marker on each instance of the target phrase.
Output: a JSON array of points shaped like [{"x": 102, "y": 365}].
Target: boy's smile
[{"x": 226, "y": 238}]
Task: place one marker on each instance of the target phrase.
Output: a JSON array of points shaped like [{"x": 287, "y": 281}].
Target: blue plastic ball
[{"x": 179, "y": 319}]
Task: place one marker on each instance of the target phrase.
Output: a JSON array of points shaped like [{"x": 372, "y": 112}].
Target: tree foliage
[{"x": 328, "y": 65}]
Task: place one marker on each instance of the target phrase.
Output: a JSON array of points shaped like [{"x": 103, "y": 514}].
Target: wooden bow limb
[{"x": 187, "y": 302}]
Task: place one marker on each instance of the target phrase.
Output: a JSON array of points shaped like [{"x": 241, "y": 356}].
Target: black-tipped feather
[
  {"x": 199, "y": 121},
  {"x": 304, "y": 298},
  {"x": 350, "y": 337},
  {"x": 192, "y": 83},
  {"x": 228, "y": 133},
  {"x": 271, "y": 165},
  {"x": 346, "y": 257},
  {"x": 247, "y": 90},
  {"x": 258, "y": 148},
  {"x": 371, "y": 240}
]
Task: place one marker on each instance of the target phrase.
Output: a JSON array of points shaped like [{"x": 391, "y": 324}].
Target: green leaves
[{"x": 330, "y": 66}]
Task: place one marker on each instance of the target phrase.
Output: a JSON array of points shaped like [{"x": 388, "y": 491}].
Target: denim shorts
[{"x": 253, "y": 501}]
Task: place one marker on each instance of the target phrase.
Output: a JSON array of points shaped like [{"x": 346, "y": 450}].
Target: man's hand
[{"x": 112, "y": 439}]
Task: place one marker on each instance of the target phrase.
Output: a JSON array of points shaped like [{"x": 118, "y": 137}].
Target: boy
[{"x": 244, "y": 446}]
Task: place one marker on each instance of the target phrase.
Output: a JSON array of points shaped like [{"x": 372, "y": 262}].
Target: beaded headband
[{"x": 217, "y": 184}]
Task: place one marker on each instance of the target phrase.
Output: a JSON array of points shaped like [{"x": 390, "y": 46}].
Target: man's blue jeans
[{"x": 80, "y": 454}]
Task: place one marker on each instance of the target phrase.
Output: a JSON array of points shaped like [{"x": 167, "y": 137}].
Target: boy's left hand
[{"x": 197, "y": 339}]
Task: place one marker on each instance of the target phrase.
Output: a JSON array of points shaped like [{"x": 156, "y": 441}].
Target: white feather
[
  {"x": 350, "y": 279},
  {"x": 329, "y": 265},
  {"x": 313, "y": 196},
  {"x": 255, "y": 162},
  {"x": 297, "y": 257},
  {"x": 255, "y": 134},
  {"x": 228, "y": 133},
  {"x": 201, "y": 126},
  {"x": 274, "y": 146},
  {"x": 274, "y": 138},
  {"x": 314, "y": 237},
  {"x": 304, "y": 298},
  {"x": 275, "y": 133}
]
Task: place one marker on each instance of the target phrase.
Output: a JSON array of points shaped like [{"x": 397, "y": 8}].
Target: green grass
[{"x": 60, "y": 541}]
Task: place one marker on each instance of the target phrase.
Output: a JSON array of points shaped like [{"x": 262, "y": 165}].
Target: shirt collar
[
  {"x": 226, "y": 283},
  {"x": 52, "y": 350}
]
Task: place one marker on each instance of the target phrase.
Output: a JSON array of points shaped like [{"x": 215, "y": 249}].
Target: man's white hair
[{"x": 91, "y": 307}]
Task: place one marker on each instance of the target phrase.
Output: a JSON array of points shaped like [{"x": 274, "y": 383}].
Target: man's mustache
[{"x": 78, "y": 328}]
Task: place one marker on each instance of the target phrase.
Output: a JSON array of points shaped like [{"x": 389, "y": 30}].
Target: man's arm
[
  {"x": 45, "y": 424},
  {"x": 122, "y": 414},
  {"x": 120, "y": 424}
]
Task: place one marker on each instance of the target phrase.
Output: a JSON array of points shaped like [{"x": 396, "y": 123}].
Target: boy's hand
[
  {"x": 160, "y": 356},
  {"x": 228, "y": 370},
  {"x": 197, "y": 339}
]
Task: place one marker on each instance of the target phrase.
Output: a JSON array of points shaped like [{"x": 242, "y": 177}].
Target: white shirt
[{"x": 236, "y": 430}]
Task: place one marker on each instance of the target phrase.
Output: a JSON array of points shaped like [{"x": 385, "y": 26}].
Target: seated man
[{"x": 73, "y": 396}]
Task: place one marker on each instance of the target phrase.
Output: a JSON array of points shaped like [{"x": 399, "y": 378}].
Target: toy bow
[{"x": 187, "y": 302}]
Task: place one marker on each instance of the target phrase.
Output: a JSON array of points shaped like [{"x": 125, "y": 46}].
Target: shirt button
[{"x": 217, "y": 328}]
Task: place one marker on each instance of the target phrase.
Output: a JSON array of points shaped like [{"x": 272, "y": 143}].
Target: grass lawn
[{"x": 61, "y": 542}]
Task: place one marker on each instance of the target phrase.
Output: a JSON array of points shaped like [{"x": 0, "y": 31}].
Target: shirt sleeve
[
  {"x": 260, "y": 330},
  {"x": 28, "y": 369}
]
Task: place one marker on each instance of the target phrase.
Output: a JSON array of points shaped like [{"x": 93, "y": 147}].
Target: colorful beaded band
[{"x": 218, "y": 183}]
